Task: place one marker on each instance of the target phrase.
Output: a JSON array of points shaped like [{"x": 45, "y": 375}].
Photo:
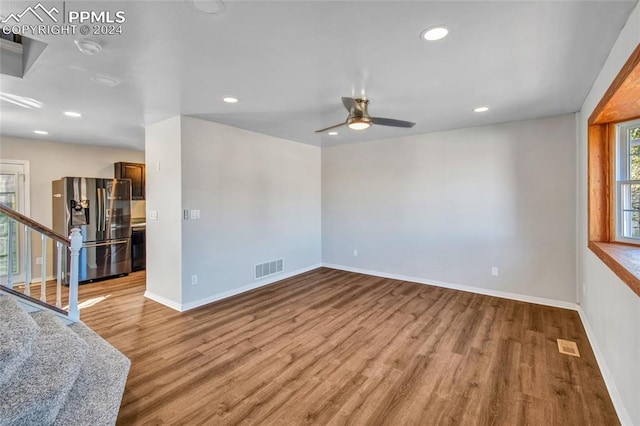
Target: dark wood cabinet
[{"x": 135, "y": 172}]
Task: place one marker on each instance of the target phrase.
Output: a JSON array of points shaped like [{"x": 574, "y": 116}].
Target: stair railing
[{"x": 16, "y": 221}]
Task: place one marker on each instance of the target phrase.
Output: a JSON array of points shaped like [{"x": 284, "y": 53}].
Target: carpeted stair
[{"x": 51, "y": 373}]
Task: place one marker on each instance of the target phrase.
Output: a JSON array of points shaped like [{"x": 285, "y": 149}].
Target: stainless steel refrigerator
[{"x": 101, "y": 208}]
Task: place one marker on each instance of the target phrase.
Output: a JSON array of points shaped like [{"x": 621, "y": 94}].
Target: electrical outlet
[
  {"x": 495, "y": 271},
  {"x": 38, "y": 261},
  {"x": 194, "y": 280},
  {"x": 355, "y": 252},
  {"x": 185, "y": 214}
]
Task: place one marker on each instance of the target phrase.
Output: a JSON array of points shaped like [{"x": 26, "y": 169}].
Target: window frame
[{"x": 622, "y": 174}]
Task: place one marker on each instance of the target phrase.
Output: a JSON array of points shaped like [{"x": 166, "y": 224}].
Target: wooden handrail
[{"x": 34, "y": 225}]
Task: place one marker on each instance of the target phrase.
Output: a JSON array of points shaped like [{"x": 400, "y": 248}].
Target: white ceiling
[{"x": 290, "y": 62}]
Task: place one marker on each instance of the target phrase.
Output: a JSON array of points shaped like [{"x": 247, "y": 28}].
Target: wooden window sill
[{"x": 622, "y": 259}]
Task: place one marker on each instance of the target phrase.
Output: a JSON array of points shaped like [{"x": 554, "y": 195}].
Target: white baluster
[
  {"x": 74, "y": 248},
  {"x": 10, "y": 258},
  {"x": 27, "y": 269},
  {"x": 43, "y": 277},
  {"x": 59, "y": 276}
]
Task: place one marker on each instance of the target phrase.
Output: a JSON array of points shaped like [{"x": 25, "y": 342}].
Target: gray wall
[
  {"x": 448, "y": 206},
  {"x": 259, "y": 198},
  {"x": 610, "y": 308},
  {"x": 163, "y": 194}
]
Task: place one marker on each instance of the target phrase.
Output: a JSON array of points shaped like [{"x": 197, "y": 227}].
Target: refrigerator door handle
[
  {"x": 104, "y": 209},
  {"x": 98, "y": 211},
  {"x": 109, "y": 243}
]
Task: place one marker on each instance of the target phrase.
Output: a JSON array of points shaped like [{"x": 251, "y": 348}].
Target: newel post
[{"x": 74, "y": 249}]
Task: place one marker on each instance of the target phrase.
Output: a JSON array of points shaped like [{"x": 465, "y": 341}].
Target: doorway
[{"x": 14, "y": 193}]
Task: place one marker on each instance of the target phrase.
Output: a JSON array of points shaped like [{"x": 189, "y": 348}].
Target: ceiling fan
[{"x": 359, "y": 118}]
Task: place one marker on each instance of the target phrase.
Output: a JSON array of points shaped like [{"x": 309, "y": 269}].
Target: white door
[{"x": 14, "y": 192}]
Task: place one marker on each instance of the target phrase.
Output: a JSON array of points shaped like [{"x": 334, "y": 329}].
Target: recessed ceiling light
[
  {"x": 481, "y": 109},
  {"x": 88, "y": 47},
  {"x": 72, "y": 114},
  {"x": 105, "y": 81},
  {"x": 40, "y": 132},
  {"x": 332, "y": 133},
  {"x": 231, "y": 100},
  {"x": 434, "y": 33}
]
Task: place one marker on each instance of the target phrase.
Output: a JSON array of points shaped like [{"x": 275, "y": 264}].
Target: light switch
[
  {"x": 153, "y": 214},
  {"x": 195, "y": 214}
]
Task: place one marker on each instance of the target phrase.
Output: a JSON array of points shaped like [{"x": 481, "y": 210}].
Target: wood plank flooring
[{"x": 339, "y": 348}]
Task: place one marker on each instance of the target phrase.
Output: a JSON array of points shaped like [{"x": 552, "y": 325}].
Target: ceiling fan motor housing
[
  {"x": 359, "y": 118},
  {"x": 353, "y": 119},
  {"x": 361, "y": 110}
]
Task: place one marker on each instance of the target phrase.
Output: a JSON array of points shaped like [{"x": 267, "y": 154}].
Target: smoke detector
[
  {"x": 88, "y": 47},
  {"x": 210, "y": 7}
]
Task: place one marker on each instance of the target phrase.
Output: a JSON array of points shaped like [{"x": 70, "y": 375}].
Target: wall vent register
[{"x": 266, "y": 269}]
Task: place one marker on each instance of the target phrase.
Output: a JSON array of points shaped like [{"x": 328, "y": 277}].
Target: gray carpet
[
  {"x": 95, "y": 397},
  {"x": 15, "y": 341},
  {"x": 57, "y": 374}
]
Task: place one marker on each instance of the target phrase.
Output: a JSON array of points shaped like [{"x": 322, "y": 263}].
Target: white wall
[
  {"x": 50, "y": 161},
  {"x": 163, "y": 195},
  {"x": 610, "y": 309},
  {"x": 448, "y": 206},
  {"x": 259, "y": 200}
]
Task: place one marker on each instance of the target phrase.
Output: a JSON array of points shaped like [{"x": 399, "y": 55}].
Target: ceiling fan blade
[
  {"x": 331, "y": 127},
  {"x": 391, "y": 122},
  {"x": 351, "y": 104}
]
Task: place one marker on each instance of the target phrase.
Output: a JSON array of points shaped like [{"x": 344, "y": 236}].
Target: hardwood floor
[{"x": 332, "y": 347}]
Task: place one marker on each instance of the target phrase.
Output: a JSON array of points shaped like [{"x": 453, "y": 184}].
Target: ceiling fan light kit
[
  {"x": 359, "y": 118},
  {"x": 358, "y": 123}
]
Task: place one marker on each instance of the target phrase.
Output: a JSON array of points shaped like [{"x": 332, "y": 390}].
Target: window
[
  {"x": 628, "y": 182},
  {"x": 614, "y": 175}
]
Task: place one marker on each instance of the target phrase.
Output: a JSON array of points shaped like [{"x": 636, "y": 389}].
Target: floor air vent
[
  {"x": 568, "y": 347},
  {"x": 269, "y": 268}
]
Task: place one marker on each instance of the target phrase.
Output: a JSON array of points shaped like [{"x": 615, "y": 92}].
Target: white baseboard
[
  {"x": 248, "y": 287},
  {"x": 37, "y": 280},
  {"x": 163, "y": 300},
  {"x": 470, "y": 289},
  {"x": 219, "y": 296},
  {"x": 618, "y": 404}
]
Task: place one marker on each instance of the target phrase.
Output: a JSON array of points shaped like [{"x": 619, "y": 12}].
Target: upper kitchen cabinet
[{"x": 135, "y": 172}]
